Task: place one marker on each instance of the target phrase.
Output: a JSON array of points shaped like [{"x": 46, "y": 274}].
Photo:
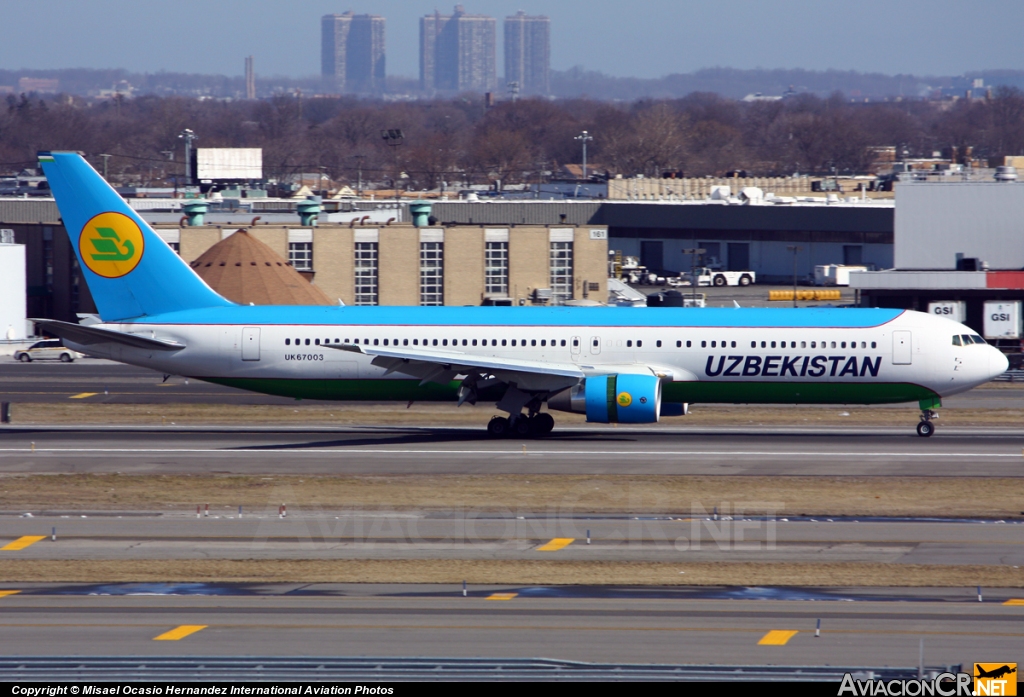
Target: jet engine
[{"x": 622, "y": 398}]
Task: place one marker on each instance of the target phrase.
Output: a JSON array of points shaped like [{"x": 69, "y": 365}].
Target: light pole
[
  {"x": 106, "y": 158},
  {"x": 188, "y": 136},
  {"x": 583, "y": 138},
  {"x": 795, "y": 249}
]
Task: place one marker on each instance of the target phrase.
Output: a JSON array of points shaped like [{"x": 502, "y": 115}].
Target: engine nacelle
[{"x": 623, "y": 398}]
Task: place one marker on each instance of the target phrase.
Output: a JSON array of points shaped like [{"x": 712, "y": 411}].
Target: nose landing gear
[{"x": 925, "y": 428}]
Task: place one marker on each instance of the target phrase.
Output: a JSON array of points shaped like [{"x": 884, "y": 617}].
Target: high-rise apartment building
[
  {"x": 458, "y": 52},
  {"x": 352, "y": 52},
  {"x": 528, "y": 53}
]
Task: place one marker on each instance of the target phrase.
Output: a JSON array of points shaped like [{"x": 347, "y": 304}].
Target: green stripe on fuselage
[{"x": 694, "y": 392}]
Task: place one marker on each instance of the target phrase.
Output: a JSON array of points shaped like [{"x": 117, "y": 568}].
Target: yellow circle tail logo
[
  {"x": 111, "y": 245},
  {"x": 624, "y": 399}
]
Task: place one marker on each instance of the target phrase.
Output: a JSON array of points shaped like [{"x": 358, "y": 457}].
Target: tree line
[{"x": 464, "y": 141}]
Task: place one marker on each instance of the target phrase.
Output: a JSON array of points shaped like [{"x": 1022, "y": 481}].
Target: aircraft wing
[
  {"x": 87, "y": 336},
  {"x": 431, "y": 365}
]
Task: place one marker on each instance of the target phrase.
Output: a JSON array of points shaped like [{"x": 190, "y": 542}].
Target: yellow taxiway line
[
  {"x": 777, "y": 637},
  {"x": 180, "y": 632},
  {"x": 556, "y": 544},
  {"x": 22, "y": 543}
]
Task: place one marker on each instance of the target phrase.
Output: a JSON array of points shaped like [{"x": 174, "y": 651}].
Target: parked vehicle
[
  {"x": 51, "y": 349},
  {"x": 710, "y": 277}
]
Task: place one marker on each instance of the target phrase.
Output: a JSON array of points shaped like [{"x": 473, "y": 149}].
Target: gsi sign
[
  {"x": 1002, "y": 320},
  {"x": 950, "y": 309}
]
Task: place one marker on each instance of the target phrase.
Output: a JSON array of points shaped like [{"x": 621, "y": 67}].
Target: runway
[
  {"x": 107, "y": 382},
  {"x": 398, "y": 450},
  {"x": 618, "y": 624},
  {"x": 487, "y": 535}
]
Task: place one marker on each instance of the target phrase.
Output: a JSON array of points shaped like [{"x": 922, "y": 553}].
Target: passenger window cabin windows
[
  {"x": 803, "y": 344},
  {"x": 444, "y": 342},
  {"x": 863, "y": 344},
  {"x": 543, "y": 342},
  {"x": 842, "y": 345},
  {"x": 385, "y": 342},
  {"x": 639, "y": 344},
  {"x": 814, "y": 344},
  {"x": 464, "y": 343},
  {"x": 687, "y": 344},
  {"x": 575, "y": 342},
  {"x": 435, "y": 342},
  {"x": 703, "y": 344},
  {"x": 773, "y": 344},
  {"x": 679, "y": 344},
  {"x": 307, "y": 342},
  {"x": 513, "y": 342},
  {"x": 658, "y": 343},
  {"x": 833, "y": 344},
  {"x": 533, "y": 342},
  {"x": 375, "y": 342},
  {"x": 629, "y": 343},
  {"x": 405, "y": 342},
  {"x": 733, "y": 344},
  {"x": 474, "y": 342},
  {"x": 764, "y": 344},
  {"x": 753, "y": 344},
  {"x": 317, "y": 341},
  {"x": 287, "y": 342},
  {"x": 714, "y": 344},
  {"x": 504, "y": 342},
  {"x": 563, "y": 342}
]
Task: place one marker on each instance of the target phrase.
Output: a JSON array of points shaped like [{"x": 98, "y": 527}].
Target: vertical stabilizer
[{"x": 130, "y": 271}]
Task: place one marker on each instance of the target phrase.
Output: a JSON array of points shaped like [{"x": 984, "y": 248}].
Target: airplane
[
  {"x": 994, "y": 673},
  {"x": 616, "y": 365}
]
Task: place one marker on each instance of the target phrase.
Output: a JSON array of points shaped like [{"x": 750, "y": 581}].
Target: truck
[
  {"x": 704, "y": 276},
  {"x": 835, "y": 274}
]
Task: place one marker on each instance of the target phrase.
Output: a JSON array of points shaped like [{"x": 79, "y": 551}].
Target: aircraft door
[
  {"x": 577, "y": 346},
  {"x": 902, "y": 348},
  {"x": 595, "y": 345},
  {"x": 251, "y": 344}
]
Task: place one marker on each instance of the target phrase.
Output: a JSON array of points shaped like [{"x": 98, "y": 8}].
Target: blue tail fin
[{"x": 131, "y": 272}]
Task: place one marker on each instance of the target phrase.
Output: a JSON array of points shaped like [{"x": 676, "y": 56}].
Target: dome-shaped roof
[{"x": 245, "y": 270}]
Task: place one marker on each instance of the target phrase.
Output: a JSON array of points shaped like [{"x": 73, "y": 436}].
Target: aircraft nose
[{"x": 997, "y": 363}]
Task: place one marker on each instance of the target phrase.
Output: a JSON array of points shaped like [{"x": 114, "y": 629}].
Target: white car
[{"x": 46, "y": 349}]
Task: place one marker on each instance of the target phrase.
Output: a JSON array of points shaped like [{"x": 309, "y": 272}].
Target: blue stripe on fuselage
[{"x": 839, "y": 318}]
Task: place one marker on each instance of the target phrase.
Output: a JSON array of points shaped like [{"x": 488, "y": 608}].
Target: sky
[{"x": 648, "y": 39}]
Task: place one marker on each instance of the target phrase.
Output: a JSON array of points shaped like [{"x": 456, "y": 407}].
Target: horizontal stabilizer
[{"x": 87, "y": 336}]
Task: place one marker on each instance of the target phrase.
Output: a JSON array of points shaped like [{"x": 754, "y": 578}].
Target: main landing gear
[
  {"x": 523, "y": 426},
  {"x": 926, "y": 428}
]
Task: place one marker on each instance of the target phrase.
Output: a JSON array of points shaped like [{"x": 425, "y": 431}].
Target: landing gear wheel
[
  {"x": 542, "y": 424},
  {"x": 522, "y": 426},
  {"x": 498, "y": 427},
  {"x": 925, "y": 429}
]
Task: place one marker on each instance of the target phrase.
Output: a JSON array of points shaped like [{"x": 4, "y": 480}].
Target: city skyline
[{"x": 875, "y": 37}]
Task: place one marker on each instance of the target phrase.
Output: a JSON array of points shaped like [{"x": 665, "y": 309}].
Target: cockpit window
[
  {"x": 956, "y": 341},
  {"x": 978, "y": 339}
]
